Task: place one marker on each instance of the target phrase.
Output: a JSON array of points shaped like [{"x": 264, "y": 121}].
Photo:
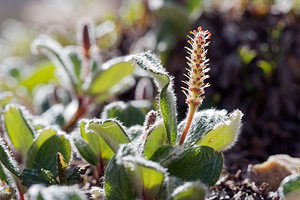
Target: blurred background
[{"x": 254, "y": 56}]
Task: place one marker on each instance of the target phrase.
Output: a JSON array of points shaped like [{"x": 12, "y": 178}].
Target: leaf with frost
[
  {"x": 33, "y": 176},
  {"x": 116, "y": 181},
  {"x": 148, "y": 62},
  {"x": 214, "y": 128},
  {"x": 146, "y": 176},
  {"x": 44, "y": 135},
  {"x": 190, "y": 191},
  {"x": 91, "y": 146},
  {"x": 7, "y": 159},
  {"x": 223, "y": 135},
  {"x": 42, "y": 153},
  {"x": 156, "y": 137},
  {"x": 111, "y": 131},
  {"x": 128, "y": 114},
  {"x": 196, "y": 163},
  {"x": 55, "y": 52},
  {"x": 129, "y": 174},
  {"x": 17, "y": 127}
]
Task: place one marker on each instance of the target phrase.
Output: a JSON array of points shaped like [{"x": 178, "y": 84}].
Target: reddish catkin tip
[
  {"x": 86, "y": 42},
  {"x": 198, "y": 65}
]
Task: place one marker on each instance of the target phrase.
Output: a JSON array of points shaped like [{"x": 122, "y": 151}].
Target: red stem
[
  {"x": 192, "y": 110},
  {"x": 20, "y": 193}
]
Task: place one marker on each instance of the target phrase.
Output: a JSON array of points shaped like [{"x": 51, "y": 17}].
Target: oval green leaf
[
  {"x": 197, "y": 163},
  {"x": 146, "y": 176},
  {"x": 111, "y": 131},
  {"x": 114, "y": 71},
  {"x": 116, "y": 182},
  {"x": 91, "y": 146},
  {"x": 45, "y": 152},
  {"x": 190, "y": 191},
  {"x": 128, "y": 114},
  {"x": 7, "y": 160},
  {"x": 224, "y": 135},
  {"x": 156, "y": 137},
  {"x": 18, "y": 129}
]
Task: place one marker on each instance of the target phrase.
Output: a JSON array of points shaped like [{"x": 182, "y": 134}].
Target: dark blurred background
[{"x": 254, "y": 55}]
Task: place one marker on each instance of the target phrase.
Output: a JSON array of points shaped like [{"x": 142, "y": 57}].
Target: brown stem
[
  {"x": 192, "y": 110},
  {"x": 81, "y": 111}
]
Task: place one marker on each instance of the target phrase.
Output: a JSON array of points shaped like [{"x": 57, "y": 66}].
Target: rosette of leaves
[
  {"x": 83, "y": 75},
  {"x": 147, "y": 161},
  {"x": 43, "y": 152}
]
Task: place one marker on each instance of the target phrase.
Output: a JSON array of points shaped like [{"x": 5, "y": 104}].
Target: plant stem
[
  {"x": 83, "y": 103},
  {"x": 192, "y": 110}
]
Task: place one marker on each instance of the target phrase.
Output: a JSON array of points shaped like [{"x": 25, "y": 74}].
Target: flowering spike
[
  {"x": 196, "y": 75},
  {"x": 198, "y": 63}
]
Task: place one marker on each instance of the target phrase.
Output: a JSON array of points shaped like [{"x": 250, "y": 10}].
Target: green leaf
[
  {"x": 111, "y": 132},
  {"x": 33, "y": 176},
  {"x": 7, "y": 159},
  {"x": 190, "y": 191},
  {"x": 44, "y": 135},
  {"x": 196, "y": 163},
  {"x": 128, "y": 114},
  {"x": 290, "y": 187},
  {"x": 156, "y": 137},
  {"x": 93, "y": 148},
  {"x": 146, "y": 176},
  {"x": 224, "y": 135},
  {"x": 119, "y": 88},
  {"x": 109, "y": 75},
  {"x": 117, "y": 184},
  {"x": 203, "y": 122},
  {"x": 40, "y": 192},
  {"x": 162, "y": 153},
  {"x": 7, "y": 177},
  {"x": 71, "y": 52},
  {"x": 3, "y": 174},
  {"x": 18, "y": 128},
  {"x": 148, "y": 62},
  {"x": 45, "y": 157},
  {"x": 71, "y": 55},
  {"x": 44, "y": 73},
  {"x": 84, "y": 149},
  {"x": 55, "y": 52}
]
